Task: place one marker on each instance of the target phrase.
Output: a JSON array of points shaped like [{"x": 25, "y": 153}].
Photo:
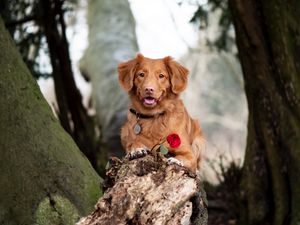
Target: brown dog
[{"x": 156, "y": 110}]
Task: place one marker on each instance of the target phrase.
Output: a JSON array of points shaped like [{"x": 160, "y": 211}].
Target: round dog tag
[{"x": 137, "y": 128}]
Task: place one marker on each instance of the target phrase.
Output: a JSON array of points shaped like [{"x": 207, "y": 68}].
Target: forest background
[{"x": 72, "y": 49}]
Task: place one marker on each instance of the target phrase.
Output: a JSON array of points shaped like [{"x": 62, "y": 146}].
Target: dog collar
[
  {"x": 137, "y": 129},
  {"x": 143, "y": 116}
]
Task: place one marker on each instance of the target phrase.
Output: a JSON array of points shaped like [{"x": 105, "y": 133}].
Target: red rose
[{"x": 174, "y": 140}]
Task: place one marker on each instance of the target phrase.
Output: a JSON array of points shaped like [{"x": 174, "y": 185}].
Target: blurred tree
[
  {"x": 44, "y": 178},
  {"x": 268, "y": 34},
  {"x": 72, "y": 114},
  {"x": 267, "y": 37},
  {"x": 47, "y": 18},
  {"x": 112, "y": 39},
  {"x": 224, "y": 40}
]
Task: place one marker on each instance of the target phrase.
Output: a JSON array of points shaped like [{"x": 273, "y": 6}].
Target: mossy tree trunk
[
  {"x": 268, "y": 40},
  {"x": 112, "y": 39},
  {"x": 44, "y": 178}
]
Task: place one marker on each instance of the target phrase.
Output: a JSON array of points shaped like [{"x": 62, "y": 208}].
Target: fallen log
[{"x": 149, "y": 191}]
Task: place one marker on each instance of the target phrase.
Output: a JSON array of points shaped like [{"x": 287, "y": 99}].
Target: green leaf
[{"x": 163, "y": 150}]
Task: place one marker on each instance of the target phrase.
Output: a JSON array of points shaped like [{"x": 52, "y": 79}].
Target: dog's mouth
[{"x": 149, "y": 101}]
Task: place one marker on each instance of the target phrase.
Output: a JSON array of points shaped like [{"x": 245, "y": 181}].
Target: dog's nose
[{"x": 149, "y": 90}]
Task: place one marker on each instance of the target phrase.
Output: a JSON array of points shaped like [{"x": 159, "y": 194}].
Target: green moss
[{"x": 56, "y": 210}]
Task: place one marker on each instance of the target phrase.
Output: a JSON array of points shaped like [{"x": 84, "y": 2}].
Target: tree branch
[{"x": 14, "y": 23}]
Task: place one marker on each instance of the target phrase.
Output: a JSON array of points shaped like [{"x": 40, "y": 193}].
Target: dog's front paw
[
  {"x": 137, "y": 153},
  {"x": 172, "y": 160}
]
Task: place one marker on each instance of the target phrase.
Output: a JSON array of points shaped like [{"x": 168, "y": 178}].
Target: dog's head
[{"x": 151, "y": 81}]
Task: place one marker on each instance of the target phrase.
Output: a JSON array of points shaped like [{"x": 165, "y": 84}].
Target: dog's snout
[{"x": 149, "y": 90}]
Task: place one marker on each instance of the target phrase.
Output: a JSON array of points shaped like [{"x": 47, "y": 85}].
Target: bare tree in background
[
  {"x": 72, "y": 114},
  {"x": 112, "y": 39}
]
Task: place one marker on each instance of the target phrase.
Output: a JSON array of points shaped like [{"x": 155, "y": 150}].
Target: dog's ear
[
  {"x": 178, "y": 75},
  {"x": 126, "y": 72}
]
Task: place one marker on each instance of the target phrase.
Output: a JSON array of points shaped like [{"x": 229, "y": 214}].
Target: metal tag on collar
[{"x": 137, "y": 127}]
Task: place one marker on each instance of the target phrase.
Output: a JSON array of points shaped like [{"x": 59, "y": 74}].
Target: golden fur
[{"x": 154, "y": 86}]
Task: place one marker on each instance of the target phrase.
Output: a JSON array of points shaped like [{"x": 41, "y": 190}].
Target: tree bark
[
  {"x": 268, "y": 34},
  {"x": 148, "y": 191},
  {"x": 44, "y": 178},
  {"x": 112, "y": 39}
]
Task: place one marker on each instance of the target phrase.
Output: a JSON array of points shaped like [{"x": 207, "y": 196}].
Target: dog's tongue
[{"x": 149, "y": 100}]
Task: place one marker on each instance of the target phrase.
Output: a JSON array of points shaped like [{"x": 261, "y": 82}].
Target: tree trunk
[
  {"x": 71, "y": 109},
  {"x": 44, "y": 178},
  {"x": 268, "y": 34},
  {"x": 147, "y": 191},
  {"x": 112, "y": 39}
]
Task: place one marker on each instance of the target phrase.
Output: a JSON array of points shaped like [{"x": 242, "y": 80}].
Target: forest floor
[{"x": 224, "y": 199}]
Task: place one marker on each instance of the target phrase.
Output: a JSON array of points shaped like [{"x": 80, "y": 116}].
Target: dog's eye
[
  {"x": 161, "y": 76},
  {"x": 141, "y": 74}
]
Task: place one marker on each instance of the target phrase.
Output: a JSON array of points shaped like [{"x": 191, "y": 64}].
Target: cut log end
[{"x": 149, "y": 191}]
